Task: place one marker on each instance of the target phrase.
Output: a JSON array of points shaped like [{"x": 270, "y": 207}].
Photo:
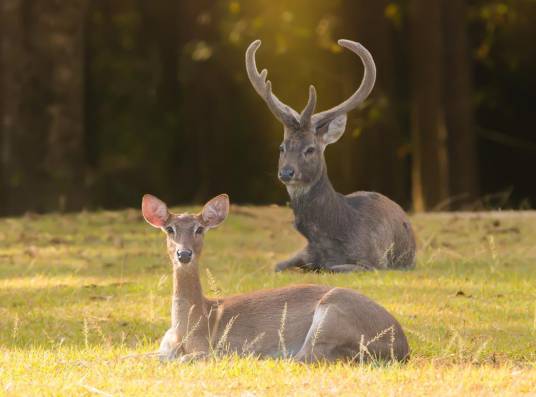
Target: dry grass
[{"x": 85, "y": 298}]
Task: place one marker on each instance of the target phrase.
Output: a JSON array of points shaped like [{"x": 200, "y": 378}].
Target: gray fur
[{"x": 360, "y": 231}]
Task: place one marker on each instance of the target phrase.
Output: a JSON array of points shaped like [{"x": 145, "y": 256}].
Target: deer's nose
[
  {"x": 286, "y": 174},
  {"x": 184, "y": 256}
]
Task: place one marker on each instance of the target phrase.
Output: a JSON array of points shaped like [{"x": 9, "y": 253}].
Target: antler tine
[
  {"x": 359, "y": 96},
  {"x": 305, "y": 116},
  {"x": 282, "y": 112}
]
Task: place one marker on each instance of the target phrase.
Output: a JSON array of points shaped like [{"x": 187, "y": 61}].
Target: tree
[
  {"x": 42, "y": 104},
  {"x": 13, "y": 72},
  {"x": 377, "y": 164},
  {"x": 463, "y": 164},
  {"x": 430, "y": 177}
]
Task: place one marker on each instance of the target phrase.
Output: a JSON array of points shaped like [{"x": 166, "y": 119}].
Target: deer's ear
[
  {"x": 215, "y": 211},
  {"x": 331, "y": 132},
  {"x": 154, "y": 210}
]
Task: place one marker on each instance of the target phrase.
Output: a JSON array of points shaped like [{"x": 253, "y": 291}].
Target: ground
[{"x": 85, "y": 297}]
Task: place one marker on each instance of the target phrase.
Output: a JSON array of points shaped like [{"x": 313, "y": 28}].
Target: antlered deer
[
  {"x": 304, "y": 322},
  {"x": 359, "y": 231}
]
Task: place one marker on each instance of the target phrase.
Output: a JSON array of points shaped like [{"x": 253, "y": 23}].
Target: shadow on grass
[{"x": 84, "y": 332}]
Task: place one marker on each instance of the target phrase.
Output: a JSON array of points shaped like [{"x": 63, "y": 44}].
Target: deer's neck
[
  {"x": 319, "y": 193},
  {"x": 188, "y": 303},
  {"x": 319, "y": 209}
]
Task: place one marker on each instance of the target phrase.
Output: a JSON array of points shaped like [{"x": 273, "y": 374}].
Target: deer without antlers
[
  {"x": 319, "y": 322},
  {"x": 359, "y": 231}
]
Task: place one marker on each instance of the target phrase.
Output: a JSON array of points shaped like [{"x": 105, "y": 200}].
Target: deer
[
  {"x": 307, "y": 323},
  {"x": 345, "y": 233}
]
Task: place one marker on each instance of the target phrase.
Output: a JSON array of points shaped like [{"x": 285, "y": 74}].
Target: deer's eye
[
  {"x": 199, "y": 230},
  {"x": 310, "y": 150},
  {"x": 281, "y": 148},
  {"x": 170, "y": 230}
]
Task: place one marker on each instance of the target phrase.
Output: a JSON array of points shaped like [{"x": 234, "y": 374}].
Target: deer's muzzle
[
  {"x": 286, "y": 174},
  {"x": 184, "y": 256}
]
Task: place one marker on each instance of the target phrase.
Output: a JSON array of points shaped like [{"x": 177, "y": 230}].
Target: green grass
[{"x": 84, "y": 296}]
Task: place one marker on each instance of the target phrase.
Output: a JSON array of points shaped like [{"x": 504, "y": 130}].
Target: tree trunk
[
  {"x": 59, "y": 41},
  {"x": 204, "y": 112},
  {"x": 463, "y": 164},
  {"x": 376, "y": 162},
  {"x": 430, "y": 181},
  {"x": 5, "y": 147},
  {"x": 20, "y": 156},
  {"x": 42, "y": 125}
]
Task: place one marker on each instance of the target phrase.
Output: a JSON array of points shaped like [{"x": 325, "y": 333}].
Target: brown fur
[{"x": 305, "y": 322}]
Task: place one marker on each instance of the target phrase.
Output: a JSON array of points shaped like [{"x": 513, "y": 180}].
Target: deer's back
[
  {"x": 386, "y": 226},
  {"x": 284, "y": 316},
  {"x": 259, "y": 316}
]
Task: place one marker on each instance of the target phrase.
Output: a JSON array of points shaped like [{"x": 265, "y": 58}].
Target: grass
[{"x": 83, "y": 297}]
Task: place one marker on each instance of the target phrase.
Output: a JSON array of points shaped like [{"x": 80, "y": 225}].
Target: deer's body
[
  {"x": 359, "y": 231},
  {"x": 340, "y": 315},
  {"x": 304, "y": 322}
]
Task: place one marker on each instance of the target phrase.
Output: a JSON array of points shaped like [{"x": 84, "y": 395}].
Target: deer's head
[
  {"x": 185, "y": 232},
  {"x": 306, "y": 135}
]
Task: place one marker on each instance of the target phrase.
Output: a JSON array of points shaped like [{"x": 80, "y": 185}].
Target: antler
[
  {"x": 289, "y": 116},
  {"x": 282, "y": 112},
  {"x": 305, "y": 116},
  {"x": 362, "y": 92}
]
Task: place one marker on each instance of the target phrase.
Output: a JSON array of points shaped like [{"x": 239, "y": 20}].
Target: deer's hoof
[
  {"x": 191, "y": 357},
  {"x": 168, "y": 355}
]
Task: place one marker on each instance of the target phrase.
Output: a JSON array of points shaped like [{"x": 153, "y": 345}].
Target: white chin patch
[{"x": 296, "y": 190}]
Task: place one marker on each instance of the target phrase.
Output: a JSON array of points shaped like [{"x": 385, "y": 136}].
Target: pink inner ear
[
  {"x": 154, "y": 210},
  {"x": 216, "y": 210}
]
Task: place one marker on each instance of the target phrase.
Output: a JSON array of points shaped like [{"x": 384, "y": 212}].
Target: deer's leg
[
  {"x": 334, "y": 334},
  {"x": 170, "y": 348},
  {"x": 298, "y": 260},
  {"x": 191, "y": 357},
  {"x": 326, "y": 339},
  {"x": 349, "y": 268}
]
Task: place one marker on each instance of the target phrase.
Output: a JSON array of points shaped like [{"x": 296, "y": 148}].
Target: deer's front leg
[
  {"x": 195, "y": 356},
  {"x": 170, "y": 348},
  {"x": 298, "y": 260},
  {"x": 349, "y": 268}
]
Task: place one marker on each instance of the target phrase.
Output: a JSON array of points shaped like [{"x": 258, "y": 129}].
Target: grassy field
[{"x": 83, "y": 297}]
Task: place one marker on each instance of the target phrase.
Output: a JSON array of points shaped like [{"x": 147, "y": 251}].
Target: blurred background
[{"x": 102, "y": 101}]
